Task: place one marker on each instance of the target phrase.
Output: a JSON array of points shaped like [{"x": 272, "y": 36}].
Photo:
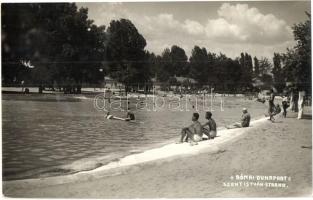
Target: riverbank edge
[{"x": 145, "y": 158}]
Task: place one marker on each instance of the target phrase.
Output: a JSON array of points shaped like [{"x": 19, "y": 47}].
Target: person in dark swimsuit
[{"x": 271, "y": 106}]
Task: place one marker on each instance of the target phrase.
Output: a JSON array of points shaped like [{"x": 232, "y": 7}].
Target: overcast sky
[{"x": 259, "y": 28}]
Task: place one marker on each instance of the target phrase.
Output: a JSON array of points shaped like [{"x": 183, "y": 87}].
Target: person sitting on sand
[
  {"x": 245, "y": 120},
  {"x": 192, "y": 132},
  {"x": 209, "y": 128}
]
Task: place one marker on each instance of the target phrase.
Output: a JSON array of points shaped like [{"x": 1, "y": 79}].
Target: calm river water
[{"x": 48, "y": 138}]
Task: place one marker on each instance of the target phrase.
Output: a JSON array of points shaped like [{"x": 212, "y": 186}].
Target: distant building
[
  {"x": 112, "y": 83},
  {"x": 179, "y": 82},
  {"x": 181, "y": 79}
]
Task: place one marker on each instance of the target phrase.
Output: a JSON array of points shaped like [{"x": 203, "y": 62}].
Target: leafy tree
[
  {"x": 267, "y": 80},
  {"x": 228, "y": 74},
  {"x": 265, "y": 72},
  {"x": 126, "y": 53},
  {"x": 247, "y": 70},
  {"x": 256, "y": 67},
  {"x": 289, "y": 60},
  {"x": 72, "y": 46},
  {"x": 277, "y": 72},
  {"x": 248, "y": 64},
  {"x": 151, "y": 61},
  {"x": 173, "y": 62},
  {"x": 17, "y": 31},
  {"x": 199, "y": 65},
  {"x": 265, "y": 66},
  {"x": 179, "y": 60},
  {"x": 212, "y": 59},
  {"x": 297, "y": 61},
  {"x": 302, "y": 35},
  {"x": 163, "y": 74}
]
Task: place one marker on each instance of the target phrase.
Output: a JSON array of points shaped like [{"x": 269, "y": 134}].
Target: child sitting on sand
[
  {"x": 209, "y": 128},
  {"x": 192, "y": 132},
  {"x": 245, "y": 120}
]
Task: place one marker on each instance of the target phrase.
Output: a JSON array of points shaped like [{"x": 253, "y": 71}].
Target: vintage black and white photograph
[{"x": 156, "y": 99}]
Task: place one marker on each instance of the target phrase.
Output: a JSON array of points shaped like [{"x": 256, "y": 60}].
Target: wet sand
[{"x": 283, "y": 148}]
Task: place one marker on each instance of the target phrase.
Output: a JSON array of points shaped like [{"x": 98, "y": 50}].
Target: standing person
[
  {"x": 130, "y": 115},
  {"x": 209, "y": 128},
  {"x": 245, "y": 120},
  {"x": 271, "y": 106},
  {"x": 285, "y": 105},
  {"x": 108, "y": 94},
  {"x": 192, "y": 132}
]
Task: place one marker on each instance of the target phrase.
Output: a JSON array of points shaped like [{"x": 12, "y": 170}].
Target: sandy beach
[{"x": 281, "y": 149}]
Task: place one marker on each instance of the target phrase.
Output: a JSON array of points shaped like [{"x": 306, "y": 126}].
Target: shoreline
[
  {"x": 119, "y": 162},
  {"x": 164, "y": 151}
]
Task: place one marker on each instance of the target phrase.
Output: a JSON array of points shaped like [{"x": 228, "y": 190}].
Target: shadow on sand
[
  {"x": 304, "y": 116},
  {"x": 307, "y": 116}
]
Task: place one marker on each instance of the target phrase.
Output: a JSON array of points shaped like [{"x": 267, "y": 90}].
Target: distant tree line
[{"x": 64, "y": 49}]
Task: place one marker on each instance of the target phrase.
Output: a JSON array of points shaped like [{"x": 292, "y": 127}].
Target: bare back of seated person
[
  {"x": 193, "y": 132},
  {"x": 209, "y": 128}
]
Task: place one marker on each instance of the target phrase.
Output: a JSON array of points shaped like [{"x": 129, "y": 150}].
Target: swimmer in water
[
  {"x": 108, "y": 116},
  {"x": 130, "y": 115}
]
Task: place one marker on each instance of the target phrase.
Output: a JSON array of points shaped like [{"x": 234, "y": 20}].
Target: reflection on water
[{"x": 51, "y": 138}]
